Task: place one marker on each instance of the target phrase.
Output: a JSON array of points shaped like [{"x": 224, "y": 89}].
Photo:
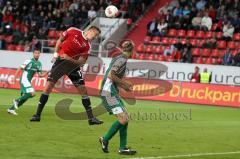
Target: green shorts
[
  {"x": 113, "y": 104},
  {"x": 26, "y": 87}
]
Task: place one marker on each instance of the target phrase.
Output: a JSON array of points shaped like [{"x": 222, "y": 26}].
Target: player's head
[
  {"x": 92, "y": 32},
  {"x": 197, "y": 69},
  {"x": 36, "y": 54},
  {"x": 127, "y": 47}
]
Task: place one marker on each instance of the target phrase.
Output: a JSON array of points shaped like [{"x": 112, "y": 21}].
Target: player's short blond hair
[{"x": 127, "y": 46}]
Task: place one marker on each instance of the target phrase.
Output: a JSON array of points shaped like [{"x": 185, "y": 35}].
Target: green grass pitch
[{"x": 207, "y": 129}]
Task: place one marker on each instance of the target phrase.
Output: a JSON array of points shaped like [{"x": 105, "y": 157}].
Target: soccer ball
[{"x": 111, "y": 11}]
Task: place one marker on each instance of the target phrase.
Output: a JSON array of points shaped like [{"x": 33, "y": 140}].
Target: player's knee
[
  {"x": 82, "y": 89},
  {"x": 124, "y": 119},
  {"x": 33, "y": 94},
  {"x": 48, "y": 88}
]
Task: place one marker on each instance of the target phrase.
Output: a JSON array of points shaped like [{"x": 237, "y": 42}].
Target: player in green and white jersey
[
  {"x": 112, "y": 102},
  {"x": 29, "y": 68}
]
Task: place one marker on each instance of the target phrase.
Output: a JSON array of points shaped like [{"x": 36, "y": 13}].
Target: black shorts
[{"x": 65, "y": 67}]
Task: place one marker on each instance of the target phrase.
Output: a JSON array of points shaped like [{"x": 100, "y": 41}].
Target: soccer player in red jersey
[{"x": 71, "y": 52}]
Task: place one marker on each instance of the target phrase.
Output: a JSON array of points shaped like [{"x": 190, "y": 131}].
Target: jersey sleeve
[
  {"x": 24, "y": 65},
  {"x": 67, "y": 32},
  {"x": 118, "y": 64}
]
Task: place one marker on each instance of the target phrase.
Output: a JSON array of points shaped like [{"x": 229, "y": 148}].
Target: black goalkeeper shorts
[{"x": 64, "y": 67}]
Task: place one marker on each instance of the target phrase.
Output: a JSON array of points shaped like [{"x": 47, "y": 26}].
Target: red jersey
[
  {"x": 74, "y": 44},
  {"x": 195, "y": 78}
]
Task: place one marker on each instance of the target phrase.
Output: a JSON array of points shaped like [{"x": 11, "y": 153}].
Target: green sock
[
  {"x": 113, "y": 130},
  {"x": 123, "y": 136},
  {"x": 22, "y": 99}
]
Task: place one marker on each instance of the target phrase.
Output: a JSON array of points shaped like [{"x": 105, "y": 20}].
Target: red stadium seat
[
  {"x": 209, "y": 34},
  {"x": 172, "y": 40},
  {"x": 11, "y": 47},
  {"x": 236, "y": 37},
  {"x": 183, "y": 41},
  {"x": 234, "y": 52},
  {"x": 214, "y": 61},
  {"x": 200, "y": 34},
  {"x": 52, "y": 33},
  {"x": 140, "y": 48},
  {"x": 169, "y": 58},
  {"x": 190, "y": 33},
  {"x": 219, "y": 60},
  {"x": 221, "y": 44},
  {"x": 155, "y": 39},
  {"x": 206, "y": 52},
  {"x": 165, "y": 41},
  {"x": 149, "y": 49},
  {"x": 219, "y": 35},
  {"x": 8, "y": 39},
  {"x": 134, "y": 56},
  {"x": 161, "y": 58},
  {"x": 196, "y": 52},
  {"x": 209, "y": 61},
  {"x": 159, "y": 49},
  {"x": 198, "y": 60},
  {"x": 181, "y": 33},
  {"x": 221, "y": 53},
  {"x": 215, "y": 53},
  {"x": 151, "y": 57},
  {"x": 231, "y": 45},
  {"x": 141, "y": 57},
  {"x": 194, "y": 42},
  {"x": 172, "y": 32},
  {"x": 147, "y": 39},
  {"x": 162, "y": 48},
  {"x": 19, "y": 48}
]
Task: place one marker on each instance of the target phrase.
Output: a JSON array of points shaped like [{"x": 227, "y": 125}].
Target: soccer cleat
[
  {"x": 15, "y": 104},
  {"x": 94, "y": 121},
  {"x": 127, "y": 151},
  {"x": 104, "y": 145},
  {"x": 12, "y": 112},
  {"x": 35, "y": 118}
]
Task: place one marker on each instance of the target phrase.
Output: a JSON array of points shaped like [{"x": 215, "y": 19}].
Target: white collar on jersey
[{"x": 84, "y": 36}]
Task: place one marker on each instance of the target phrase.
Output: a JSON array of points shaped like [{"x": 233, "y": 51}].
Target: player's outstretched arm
[
  {"x": 16, "y": 74},
  {"x": 58, "y": 43},
  {"x": 57, "y": 47},
  {"x": 121, "y": 83}
]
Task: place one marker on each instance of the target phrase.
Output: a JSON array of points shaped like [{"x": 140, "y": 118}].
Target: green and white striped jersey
[
  {"x": 118, "y": 64},
  {"x": 30, "y": 67}
]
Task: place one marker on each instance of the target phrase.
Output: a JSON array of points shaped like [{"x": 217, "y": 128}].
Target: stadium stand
[
  {"x": 23, "y": 23},
  {"x": 211, "y": 27}
]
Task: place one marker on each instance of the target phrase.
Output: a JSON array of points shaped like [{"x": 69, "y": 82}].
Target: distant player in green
[
  {"x": 29, "y": 68},
  {"x": 112, "y": 102}
]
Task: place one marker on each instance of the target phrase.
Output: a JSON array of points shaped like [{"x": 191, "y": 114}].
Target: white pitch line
[{"x": 189, "y": 155}]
